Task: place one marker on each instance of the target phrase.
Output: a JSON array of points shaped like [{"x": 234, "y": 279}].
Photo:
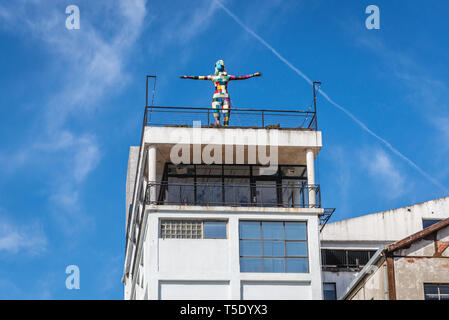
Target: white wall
[
  {"x": 194, "y": 290},
  {"x": 276, "y": 290},
  {"x": 210, "y": 268},
  {"x": 386, "y": 226},
  {"x": 342, "y": 280}
]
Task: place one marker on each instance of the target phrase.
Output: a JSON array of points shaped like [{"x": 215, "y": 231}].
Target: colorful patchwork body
[{"x": 221, "y": 100}]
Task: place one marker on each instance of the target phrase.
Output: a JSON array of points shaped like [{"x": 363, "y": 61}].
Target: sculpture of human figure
[{"x": 221, "y": 99}]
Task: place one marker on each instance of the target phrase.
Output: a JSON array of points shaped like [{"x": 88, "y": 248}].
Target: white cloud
[
  {"x": 15, "y": 238},
  {"x": 93, "y": 63},
  {"x": 382, "y": 169}
]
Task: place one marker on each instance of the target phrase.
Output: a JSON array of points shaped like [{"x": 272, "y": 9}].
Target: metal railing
[
  {"x": 247, "y": 118},
  {"x": 234, "y": 195}
]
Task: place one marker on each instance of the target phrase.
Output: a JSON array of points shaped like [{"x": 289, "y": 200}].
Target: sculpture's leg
[
  {"x": 216, "y": 110},
  {"x": 226, "y": 111}
]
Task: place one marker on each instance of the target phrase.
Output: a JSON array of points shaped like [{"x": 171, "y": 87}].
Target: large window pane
[
  {"x": 273, "y": 230},
  {"x": 266, "y": 240},
  {"x": 250, "y": 248},
  {"x": 296, "y": 249},
  {"x": 330, "y": 292},
  {"x": 209, "y": 191},
  {"x": 296, "y": 231},
  {"x": 215, "y": 229},
  {"x": 237, "y": 192},
  {"x": 180, "y": 191},
  {"x": 444, "y": 289},
  {"x": 273, "y": 248},
  {"x": 266, "y": 193},
  {"x": 249, "y": 230},
  {"x": 274, "y": 265},
  {"x": 250, "y": 264},
  {"x": 297, "y": 265}
]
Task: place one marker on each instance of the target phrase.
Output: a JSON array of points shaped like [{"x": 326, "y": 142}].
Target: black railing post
[{"x": 314, "y": 103}]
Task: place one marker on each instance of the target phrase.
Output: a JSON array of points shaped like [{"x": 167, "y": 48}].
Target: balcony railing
[
  {"x": 243, "y": 118},
  {"x": 291, "y": 195}
]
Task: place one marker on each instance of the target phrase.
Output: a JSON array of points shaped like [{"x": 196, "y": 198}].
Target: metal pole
[{"x": 314, "y": 103}]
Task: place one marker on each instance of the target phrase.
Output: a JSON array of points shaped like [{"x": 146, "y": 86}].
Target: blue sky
[{"x": 72, "y": 104}]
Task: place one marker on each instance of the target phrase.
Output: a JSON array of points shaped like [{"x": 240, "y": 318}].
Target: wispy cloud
[
  {"x": 362, "y": 125},
  {"x": 93, "y": 64},
  {"x": 16, "y": 239},
  {"x": 383, "y": 170},
  {"x": 181, "y": 26}
]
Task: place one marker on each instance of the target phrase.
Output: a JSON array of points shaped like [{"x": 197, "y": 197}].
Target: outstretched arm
[
  {"x": 196, "y": 77},
  {"x": 257, "y": 74}
]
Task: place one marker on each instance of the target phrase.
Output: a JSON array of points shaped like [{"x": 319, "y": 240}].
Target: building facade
[
  {"x": 348, "y": 245},
  {"x": 223, "y": 212},
  {"x": 414, "y": 268}
]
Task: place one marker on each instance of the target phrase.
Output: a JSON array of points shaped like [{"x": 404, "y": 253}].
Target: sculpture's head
[{"x": 220, "y": 67}]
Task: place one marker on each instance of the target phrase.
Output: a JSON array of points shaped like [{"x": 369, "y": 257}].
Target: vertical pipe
[
  {"x": 310, "y": 158},
  {"x": 152, "y": 173}
]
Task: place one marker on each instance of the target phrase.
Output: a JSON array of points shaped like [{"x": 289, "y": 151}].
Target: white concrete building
[
  {"x": 220, "y": 224},
  {"x": 348, "y": 245}
]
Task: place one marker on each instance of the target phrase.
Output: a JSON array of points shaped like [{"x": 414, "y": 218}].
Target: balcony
[
  {"x": 158, "y": 116},
  {"x": 291, "y": 195}
]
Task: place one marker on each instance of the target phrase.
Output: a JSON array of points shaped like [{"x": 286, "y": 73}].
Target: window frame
[
  {"x": 429, "y": 219},
  {"x": 192, "y": 173},
  {"x": 334, "y": 284},
  {"x": 438, "y": 285},
  {"x": 261, "y": 240},
  {"x": 346, "y": 252},
  {"x": 200, "y": 221}
]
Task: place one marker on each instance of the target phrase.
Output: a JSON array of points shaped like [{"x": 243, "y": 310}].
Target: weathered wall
[
  {"x": 425, "y": 261},
  {"x": 373, "y": 287},
  {"x": 386, "y": 226}
]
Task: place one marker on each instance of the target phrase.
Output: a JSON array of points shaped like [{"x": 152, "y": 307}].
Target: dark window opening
[
  {"x": 339, "y": 258},
  {"x": 329, "y": 291},
  {"x": 428, "y": 222},
  {"x": 235, "y": 185},
  {"x": 434, "y": 291}
]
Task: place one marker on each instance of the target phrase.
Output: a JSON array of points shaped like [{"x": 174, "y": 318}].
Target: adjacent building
[
  {"x": 348, "y": 245},
  {"x": 414, "y": 268}
]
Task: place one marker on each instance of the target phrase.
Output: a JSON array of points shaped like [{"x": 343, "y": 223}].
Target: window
[
  {"x": 214, "y": 229},
  {"x": 436, "y": 291},
  {"x": 428, "y": 222},
  {"x": 193, "y": 229},
  {"x": 329, "y": 291},
  {"x": 272, "y": 246},
  {"x": 345, "y": 258},
  {"x": 235, "y": 185}
]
